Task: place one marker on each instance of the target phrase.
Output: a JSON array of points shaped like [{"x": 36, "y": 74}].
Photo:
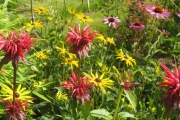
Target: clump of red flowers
[
  {"x": 79, "y": 87},
  {"x": 15, "y": 111},
  {"x": 172, "y": 88},
  {"x": 15, "y": 46},
  {"x": 79, "y": 40}
]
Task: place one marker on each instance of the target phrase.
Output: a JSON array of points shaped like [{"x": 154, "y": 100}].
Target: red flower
[
  {"x": 172, "y": 87},
  {"x": 15, "y": 112},
  {"x": 79, "y": 40},
  {"x": 127, "y": 85},
  {"x": 79, "y": 87}
]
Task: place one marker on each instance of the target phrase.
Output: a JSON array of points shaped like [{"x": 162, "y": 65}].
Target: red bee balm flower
[
  {"x": 15, "y": 45},
  {"x": 15, "y": 112},
  {"x": 79, "y": 87},
  {"x": 172, "y": 85},
  {"x": 79, "y": 40}
]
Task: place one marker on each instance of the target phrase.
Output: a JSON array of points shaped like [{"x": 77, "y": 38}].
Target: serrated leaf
[
  {"x": 131, "y": 96},
  {"x": 40, "y": 96},
  {"x": 125, "y": 115},
  {"x": 101, "y": 113}
]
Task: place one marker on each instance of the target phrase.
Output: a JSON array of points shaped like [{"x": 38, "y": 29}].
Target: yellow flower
[
  {"x": 41, "y": 55},
  {"x": 106, "y": 40},
  {"x": 21, "y": 93},
  {"x": 100, "y": 81},
  {"x": 31, "y": 25},
  {"x": 70, "y": 60},
  {"x": 129, "y": 60},
  {"x": 71, "y": 11},
  {"x": 62, "y": 50},
  {"x": 41, "y": 10},
  {"x": 83, "y": 18},
  {"x": 61, "y": 96}
]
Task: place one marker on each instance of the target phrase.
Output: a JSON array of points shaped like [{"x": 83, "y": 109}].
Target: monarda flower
[
  {"x": 137, "y": 25},
  {"x": 158, "y": 12},
  {"x": 172, "y": 89},
  {"x": 111, "y": 21},
  {"x": 79, "y": 40},
  {"x": 15, "y": 111},
  {"x": 15, "y": 46},
  {"x": 79, "y": 87}
]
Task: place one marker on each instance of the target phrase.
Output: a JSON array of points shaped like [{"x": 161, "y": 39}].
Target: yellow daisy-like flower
[
  {"x": 21, "y": 93},
  {"x": 71, "y": 60},
  {"x": 41, "y": 10},
  {"x": 41, "y": 55},
  {"x": 72, "y": 11},
  {"x": 31, "y": 25},
  {"x": 100, "y": 81},
  {"x": 106, "y": 40},
  {"x": 60, "y": 96},
  {"x": 83, "y": 18},
  {"x": 63, "y": 51},
  {"x": 129, "y": 60}
]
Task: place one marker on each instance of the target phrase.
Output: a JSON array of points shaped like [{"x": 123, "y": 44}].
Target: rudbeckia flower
[
  {"x": 83, "y": 18},
  {"x": 79, "y": 88},
  {"x": 20, "y": 94},
  {"x": 172, "y": 88},
  {"x": 106, "y": 40},
  {"x": 41, "y": 10},
  {"x": 79, "y": 40},
  {"x": 41, "y": 55},
  {"x": 36, "y": 24},
  {"x": 100, "y": 81},
  {"x": 111, "y": 21},
  {"x": 137, "y": 25},
  {"x": 158, "y": 12},
  {"x": 71, "y": 60}
]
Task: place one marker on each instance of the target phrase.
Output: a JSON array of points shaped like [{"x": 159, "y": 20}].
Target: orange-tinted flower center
[
  {"x": 137, "y": 23},
  {"x": 158, "y": 9},
  {"x": 98, "y": 80},
  {"x": 17, "y": 95},
  {"x": 111, "y": 19}
]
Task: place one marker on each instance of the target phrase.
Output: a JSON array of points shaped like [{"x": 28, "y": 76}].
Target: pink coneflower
[
  {"x": 137, "y": 25},
  {"x": 15, "y": 111},
  {"x": 111, "y": 21},
  {"x": 79, "y": 87},
  {"x": 172, "y": 87},
  {"x": 178, "y": 14},
  {"x": 79, "y": 40},
  {"x": 158, "y": 12},
  {"x": 15, "y": 46}
]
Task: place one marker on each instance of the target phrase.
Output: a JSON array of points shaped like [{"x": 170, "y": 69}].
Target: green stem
[
  {"x": 118, "y": 102},
  {"x": 14, "y": 85},
  {"x": 79, "y": 69}
]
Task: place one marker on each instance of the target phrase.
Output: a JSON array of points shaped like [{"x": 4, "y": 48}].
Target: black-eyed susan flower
[
  {"x": 129, "y": 60},
  {"x": 100, "y": 81},
  {"x": 71, "y": 60},
  {"x": 20, "y": 94},
  {"x": 36, "y": 24},
  {"x": 106, "y": 40},
  {"x": 62, "y": 50},
  {"x": 61, "y": 97},
  {"x": 83, "y": 17},
  {"x": 41, "y": 55},
  {"x": 41, "y": 10}
]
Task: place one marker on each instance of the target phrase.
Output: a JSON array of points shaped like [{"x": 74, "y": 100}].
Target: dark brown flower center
[
  {"x": 126, "y": 57},
  {"x": 69, "y": 61},
  {"x": 17, "y": 95},
  {"x": 137, "y": 23},
  {"x": 40, "y": 9},
  {"x": 84, "y": 17},
  {"x": 98, "y": 80},
  {"x": 158, "y": 9},
  {"x": 111, "y": 19}
]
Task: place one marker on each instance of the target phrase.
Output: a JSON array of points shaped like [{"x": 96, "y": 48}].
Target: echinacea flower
[
  {"x": 15, "y": 46},
  {"x": 100, "y": 81},
  {"x": 79, "y": 40},
  {"x": 79, "y": 87},
  {"x": 172, "y": 88},
  {"x": 41, "y": 10},
  {"x": 178, "y": 14},
  {"x": 20, "y": 94},
  {"x": 111, "y": 21},
  {"x": 129, "y": 60},
  {"x": 15, "y": 111},
  {"x": 83, "y": 18},
  {"x": 137, "y": 25},
  {"x": 158, "y": 11}
]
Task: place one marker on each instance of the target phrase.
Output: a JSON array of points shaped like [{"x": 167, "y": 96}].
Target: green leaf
[
  {"x": 125, "y": 115},
  {"x": 85, "y": 109},
  {"x": 132, "y": 98},
  {"x": 101, "y": 113},
  {"x": 40, "y": 96}
]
